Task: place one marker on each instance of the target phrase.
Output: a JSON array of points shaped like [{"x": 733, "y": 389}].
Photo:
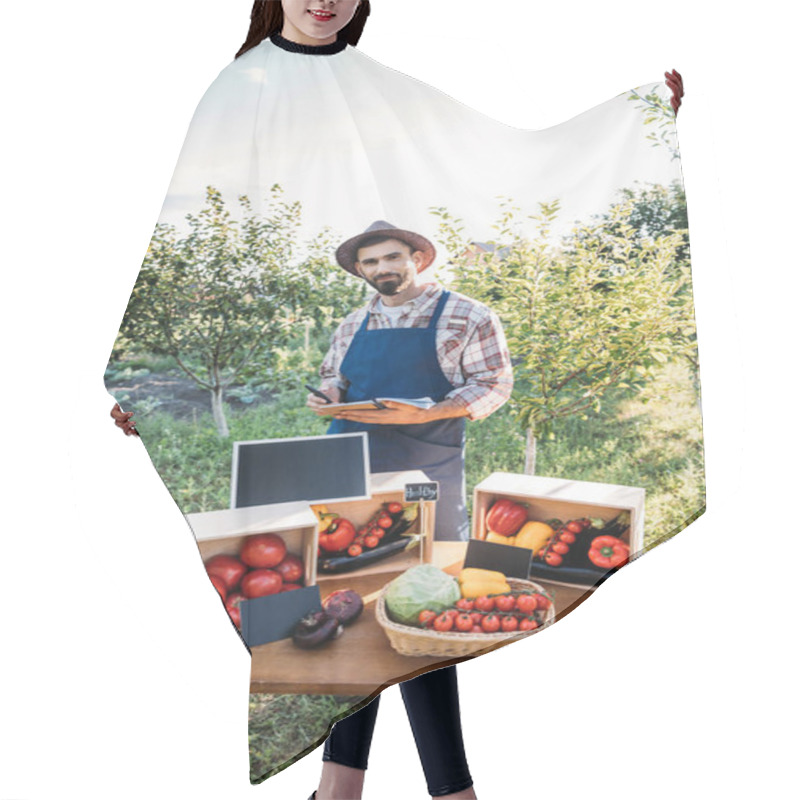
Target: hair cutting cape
[{"x": 555, "y": 323}]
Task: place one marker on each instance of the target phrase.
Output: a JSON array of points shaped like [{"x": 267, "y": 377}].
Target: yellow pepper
[{"x": 534, "y": 535}]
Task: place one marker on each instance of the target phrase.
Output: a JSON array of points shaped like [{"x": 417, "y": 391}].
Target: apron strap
[{"x": 439, "y": 308}]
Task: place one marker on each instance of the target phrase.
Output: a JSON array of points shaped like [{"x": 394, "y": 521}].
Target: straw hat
[{"x": 347, "y": 251}]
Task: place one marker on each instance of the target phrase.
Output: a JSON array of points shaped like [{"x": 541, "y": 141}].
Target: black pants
[{"x": 431, "y": 701}]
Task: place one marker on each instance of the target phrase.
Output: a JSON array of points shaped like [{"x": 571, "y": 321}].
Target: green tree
[
  {"x": 219, "y": 298},
  {"x": 583, "y": 316}
]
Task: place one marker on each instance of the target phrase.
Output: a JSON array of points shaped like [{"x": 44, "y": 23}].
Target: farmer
[{"x": 414, "y": 339}]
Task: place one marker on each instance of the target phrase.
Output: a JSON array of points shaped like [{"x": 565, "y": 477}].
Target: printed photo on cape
[{"x": 545, "y": 349}]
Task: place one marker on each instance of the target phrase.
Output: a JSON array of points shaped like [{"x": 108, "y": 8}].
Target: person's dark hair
[{"x": 266, "y": 18}]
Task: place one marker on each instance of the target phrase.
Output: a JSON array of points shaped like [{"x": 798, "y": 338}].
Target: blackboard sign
[
  {"x": 513, "y": 562},
  {"x": 316, "y": 469},
  {"x": 421, "y": 491},
  {"x": 268, "y": 619}
]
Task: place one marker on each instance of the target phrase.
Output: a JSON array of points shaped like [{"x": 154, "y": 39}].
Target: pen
[
  {"x": 378, "y": 403},
  {"x": 318, "y": 393}
]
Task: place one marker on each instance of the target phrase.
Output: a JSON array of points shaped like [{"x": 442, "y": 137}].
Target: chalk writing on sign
[{"x": 421, "y": 491}]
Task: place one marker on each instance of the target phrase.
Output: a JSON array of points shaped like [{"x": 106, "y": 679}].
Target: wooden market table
[{"x": 359, "y": 661}]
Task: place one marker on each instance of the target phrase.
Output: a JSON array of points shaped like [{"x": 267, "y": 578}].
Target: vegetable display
[
  {"x": 343, "y": 548},
  {"x": 499, "y": 609},
  {"x": 578, "y": 544}
]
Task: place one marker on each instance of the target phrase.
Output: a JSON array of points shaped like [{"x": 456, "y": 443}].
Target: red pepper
[
  {"x": 338, "y": 536},
  {"x": 608, "y": 552},
  {"x": 506, "y": 517}
]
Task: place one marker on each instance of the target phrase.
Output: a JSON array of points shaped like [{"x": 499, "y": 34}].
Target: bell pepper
[
  {"x": 339, "y": 535},
  {"x": 506, "y": 517},
  {"x": 534, "y": 535},
  {"x": 608, "y": 552},
  {"x": 324, "y": 516}
]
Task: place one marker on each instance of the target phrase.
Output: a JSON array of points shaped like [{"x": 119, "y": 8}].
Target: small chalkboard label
[
  {"x": 513, "y": 562},
  {"x": 273, "y": 617},
  {"x": 422, "y": 491}
]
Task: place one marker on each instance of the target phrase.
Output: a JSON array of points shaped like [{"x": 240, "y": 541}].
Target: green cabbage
[{"x": 419, "y": 588}]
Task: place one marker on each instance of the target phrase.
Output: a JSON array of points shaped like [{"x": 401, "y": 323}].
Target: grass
[{"x": 278, "y": 722}]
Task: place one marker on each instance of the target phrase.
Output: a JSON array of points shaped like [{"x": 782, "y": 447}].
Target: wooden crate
[
  {"x": 564, "y": 499},
  {"x": 225, "y": 530},
  {"x": 387, "y": 487}
]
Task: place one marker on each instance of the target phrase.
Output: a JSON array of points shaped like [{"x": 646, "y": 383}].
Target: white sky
[{"x": 355, "y": 141}]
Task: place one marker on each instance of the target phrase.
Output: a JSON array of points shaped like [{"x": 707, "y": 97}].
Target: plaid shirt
[{"x": 470, "y": 344}]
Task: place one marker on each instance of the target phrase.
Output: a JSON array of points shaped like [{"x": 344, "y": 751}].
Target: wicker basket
[{"x": 410, "y": 641}]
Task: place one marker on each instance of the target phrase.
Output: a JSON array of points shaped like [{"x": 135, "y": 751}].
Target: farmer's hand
[
  {"x": 317, "y": 403},
  {"x": 122, "y": 419},
  {"x": 675, "y": 82}
]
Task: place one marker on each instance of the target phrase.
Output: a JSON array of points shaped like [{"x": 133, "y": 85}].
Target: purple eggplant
[{"x": 315, "y": 629}]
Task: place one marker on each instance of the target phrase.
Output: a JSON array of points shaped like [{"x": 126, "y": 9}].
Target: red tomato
[
  {"x": 567, "y": 536},
  {"x": 465, "y": 604},
  {"x": 528, "y": 624},
  {"x": 526, "y": 603},
  {"x": 574, "y": 526},
  {"x": 261, "y": 582},
  {"x": 371, "y": 540},
  {"x": 477, "y": 618},
  {"x": 427, "y": 617},
  {"x": 380, "y": 533},
  {"x": 484, "y": 603},
  {"x": 543, "y": 602},
  {"x": 562, "y": 548},
  {"x": 291, "y": 568},
  {"x": 505, "y": 602},
  {"x": 233, "y": 607},
  {"x": 452, "y": 613},
  {"x": 553, "y": 559},
  {"x": 219, "y": 585},
  {"x": 339, "y": 535},
  {"x": 491, "y": 623},
  {"x": 464, "y": 622},
  {"x": 444, "y": 622},
  {"x": 228, "y": 568},
  {"x": 287, "y": 587},
  {"x": 509, "y": 624},
  {"x": 354, "y": 550},
  {"x": 385, "y": 522},
  {"x": 476, "y": 629},
  {"x": 263, "y": 550},
  {"x": 394, "y": 508}
]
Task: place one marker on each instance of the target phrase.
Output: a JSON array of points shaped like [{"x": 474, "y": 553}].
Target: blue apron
[{"x": 403, "y": 363}]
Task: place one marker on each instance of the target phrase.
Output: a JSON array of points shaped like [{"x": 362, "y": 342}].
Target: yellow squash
[{"x": 476, "y": 582}]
